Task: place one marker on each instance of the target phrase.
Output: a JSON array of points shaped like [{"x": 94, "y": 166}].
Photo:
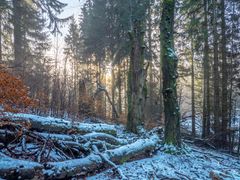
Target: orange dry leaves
[{"x": 13, "y": 93}]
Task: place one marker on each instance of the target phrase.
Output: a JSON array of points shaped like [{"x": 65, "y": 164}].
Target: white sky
[{"x": 72, "y": 9}]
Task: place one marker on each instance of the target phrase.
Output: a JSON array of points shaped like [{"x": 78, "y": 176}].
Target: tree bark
[
  {"x": 14, "y": 168},
  {"x": 206, "y": 91},
  {"x": 151, "y": 98},
  {"x": 92, "y": 162},
  {"x": 55, "y": 125},
  {"x": 224, "y": 77},
  {"x": 103, "y": 89},
  {"x": 137, "y": 91},
  {"x": 193, "y": 91},
  {"x": 119, "y": 90},
  {"x": 169, "y": 62},
  {"x": 18, "y": 37},
  {"x": 216, "y": 109},
  {"x": 113, "y": 92},
  {"x": 1, "y": 36}
]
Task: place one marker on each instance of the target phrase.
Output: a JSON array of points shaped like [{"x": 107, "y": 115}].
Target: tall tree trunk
[
  {"x": 18, "y": 37},
  {"x": 161, "y": 96},
  {"x": 231, "y": 71},
  {"x": 1, "y": 36},
  {"x": 64, "y": 88},
  {"x": 119, "y": 90},
  {"x": 206, "y": 91},
  {"x": 169, "y": 62},
  {"x": 150, "y": 87},
  {"x": 136, "y": 79},
  {"x": 193, "y": 91},
  {"x": 113, "y": 91},
  {"x": 126, "y": 86},
  {"x": 216, "y": 108},
  {"x": 224, "y": 78}
]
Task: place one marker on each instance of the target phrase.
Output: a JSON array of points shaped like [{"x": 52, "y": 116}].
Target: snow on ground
[
  {"x": 196, "y": 164},
  {"x": 187, "y": 124}
]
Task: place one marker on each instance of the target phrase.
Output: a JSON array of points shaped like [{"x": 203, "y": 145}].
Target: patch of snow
[
  {"x": 187, "y": 124},
  {"x": 6, "y": 163},
  {"x": 197, "y": 165}
]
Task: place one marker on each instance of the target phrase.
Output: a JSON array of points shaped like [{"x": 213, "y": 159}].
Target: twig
[
  {"x": 95, "y": 149},
  {"x": 41, "y": 152}
]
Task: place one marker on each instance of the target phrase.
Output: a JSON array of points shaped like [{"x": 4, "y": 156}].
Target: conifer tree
[{"x": 169, "y": 63}]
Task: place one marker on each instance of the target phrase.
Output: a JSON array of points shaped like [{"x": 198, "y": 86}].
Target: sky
[{"x": 73, "y": 8}]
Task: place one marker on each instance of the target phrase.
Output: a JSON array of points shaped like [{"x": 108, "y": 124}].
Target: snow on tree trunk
[
  {"x": 137, "y": 89},
  {"x": 55, "y": 125},
  {"x": 93, "y": 162},
  {"x": 13, "y": 169},
  {"x": 169, "y": 62}
]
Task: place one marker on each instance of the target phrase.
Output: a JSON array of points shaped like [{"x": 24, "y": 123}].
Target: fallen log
[
  {"x": 14, "y": 169},
  {"x": 56, "y": 125},
  {"x": 90, "y": 136},
  {"x": 104, "y": 137},
  {"x": 105, "y": 159},
  {"x": 92, "y": 162}
]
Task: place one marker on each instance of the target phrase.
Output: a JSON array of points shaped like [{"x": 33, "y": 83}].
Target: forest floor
[
  {"x": 48, "y": 150},
  {"x": 198, "y": 163}
]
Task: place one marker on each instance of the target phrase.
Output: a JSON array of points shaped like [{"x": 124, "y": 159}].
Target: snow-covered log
[
  {"x": 94, "y": 161},
  {"x": 14, "y": 169},
  {"x": 104, "y": 137},
  {"x": 90, "y": 136},
  {"x": 56, "y": 125}
]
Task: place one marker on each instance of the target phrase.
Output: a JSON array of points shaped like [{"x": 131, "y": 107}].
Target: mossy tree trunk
[
  {"x": 136, "y": 79},
  {"x": 169, "y": 62}
]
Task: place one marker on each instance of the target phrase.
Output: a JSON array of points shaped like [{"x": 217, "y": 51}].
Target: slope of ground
[
  {"x": 58, "y": 148},
  {"x": 197, "y": 164}
]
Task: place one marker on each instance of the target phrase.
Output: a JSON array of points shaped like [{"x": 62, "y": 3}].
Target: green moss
[
  {"x": 175, "y": 150},
  {"x": 123, "y": 160}
]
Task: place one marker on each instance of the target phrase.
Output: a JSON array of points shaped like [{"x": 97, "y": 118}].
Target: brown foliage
[{"x": 13, "y": 93}]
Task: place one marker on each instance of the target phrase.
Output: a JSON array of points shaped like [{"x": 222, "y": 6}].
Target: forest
[{"x": 120, "y": 89}]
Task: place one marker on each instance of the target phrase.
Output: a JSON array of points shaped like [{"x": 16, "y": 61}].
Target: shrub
[{"x": 13, "y": 93}]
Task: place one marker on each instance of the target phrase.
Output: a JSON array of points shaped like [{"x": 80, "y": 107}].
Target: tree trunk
[
  {"x": 169, "y": 62},
  {"x": 161, "y": 95},
  {"x": 113, "y": 92},
  {"x": 216, "y": 108},
  {"x": 126, "y": 67},
  {"x": 15, "y": 169},
  {"x": 55, "y": 125},
  {"x": 18, "y": 38},
  {"x": 92, "y": 162},
  {"x": 136, "y": 79},
  {"x": 150, "y": 86},
  {"x": 119, "y": 90},
  {"x": 206, "y": 91},
  {"x": 193, "y": 91},
  {"x": 1, "y": 37},
  {"x": 224, "y": 78},
  {"x": 231, "y": 73}
]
